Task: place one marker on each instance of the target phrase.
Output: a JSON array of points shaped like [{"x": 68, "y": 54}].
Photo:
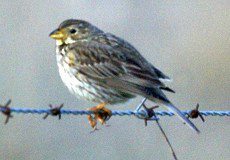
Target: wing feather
[{"x": 108, "y": 57}]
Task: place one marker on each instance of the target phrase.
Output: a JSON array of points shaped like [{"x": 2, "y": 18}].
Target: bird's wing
[
  {"x": 92, "y": 61},
  {"x": 132, "y": 55},
  {"x": 107, "y": 57}
]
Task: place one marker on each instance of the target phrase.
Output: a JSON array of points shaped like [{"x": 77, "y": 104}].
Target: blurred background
[{"x": 187, "y": 40}]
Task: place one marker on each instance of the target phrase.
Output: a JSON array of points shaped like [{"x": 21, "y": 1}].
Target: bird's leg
[
  {"x": 101, "y": 114},
  {"x": 148, "y": 113},
  {"x": 141, "y": 104}
]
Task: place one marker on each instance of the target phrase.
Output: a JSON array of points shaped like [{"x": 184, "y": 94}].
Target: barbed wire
[
  {"x": 102, "y": 114},
  {"x": 114, "y": 112}
]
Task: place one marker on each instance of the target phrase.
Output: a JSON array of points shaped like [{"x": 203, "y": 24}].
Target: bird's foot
[{"x": 100, "y": 114}]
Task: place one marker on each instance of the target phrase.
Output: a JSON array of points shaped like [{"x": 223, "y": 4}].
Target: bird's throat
[{"x": 59, "y": 42}]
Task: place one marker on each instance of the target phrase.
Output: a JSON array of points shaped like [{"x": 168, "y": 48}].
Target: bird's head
[{"x": 72, "y": 30}]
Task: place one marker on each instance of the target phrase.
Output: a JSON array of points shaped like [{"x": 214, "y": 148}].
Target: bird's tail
[
  {"x": 174, "y": 109},
  {"x": 153, "y": 94},
  {"x": 158, "y": 96}
]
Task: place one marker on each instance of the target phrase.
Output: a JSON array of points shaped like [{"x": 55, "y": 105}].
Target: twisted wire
[{"x": 115, "y": 112}]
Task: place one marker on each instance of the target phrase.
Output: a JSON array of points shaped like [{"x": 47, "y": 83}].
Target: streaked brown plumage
[{"x": 101, "y": 67}]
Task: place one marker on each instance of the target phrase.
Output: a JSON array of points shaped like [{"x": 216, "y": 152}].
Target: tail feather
[
  {"x": 153, "y": 94},
  {"x": 174, "y": 109}
]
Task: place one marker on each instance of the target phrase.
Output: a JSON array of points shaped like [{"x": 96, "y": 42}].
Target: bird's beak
[{"x": 57, "y": 34}]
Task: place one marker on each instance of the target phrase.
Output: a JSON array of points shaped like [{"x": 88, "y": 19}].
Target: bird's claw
[{"x": 100, "y": 114}]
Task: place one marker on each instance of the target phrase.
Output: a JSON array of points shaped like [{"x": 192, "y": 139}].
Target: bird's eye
[{"x": 72, "y": 31}]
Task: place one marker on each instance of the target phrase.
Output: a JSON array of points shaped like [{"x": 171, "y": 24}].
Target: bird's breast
[{"x": 81, "y": 85}]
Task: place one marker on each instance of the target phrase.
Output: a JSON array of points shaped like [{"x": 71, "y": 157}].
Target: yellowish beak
[{"x": 57, "y": 34}]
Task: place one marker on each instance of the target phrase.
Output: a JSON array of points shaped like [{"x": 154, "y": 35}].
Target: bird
[{"x": 101, "y": 67}]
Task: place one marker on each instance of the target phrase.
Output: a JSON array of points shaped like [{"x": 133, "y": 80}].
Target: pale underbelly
[{"x": 86, "y": 89}]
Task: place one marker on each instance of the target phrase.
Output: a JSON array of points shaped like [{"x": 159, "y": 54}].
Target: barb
[
  {"x": 6, "y": 110},
  {"x": 115, "y": 112},
  {"x": 54, "y": 111},
  {"x": 195, "y": 113}
]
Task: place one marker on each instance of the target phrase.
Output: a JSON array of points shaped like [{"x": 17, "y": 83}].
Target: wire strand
[{"x": 115, "y": 112}]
